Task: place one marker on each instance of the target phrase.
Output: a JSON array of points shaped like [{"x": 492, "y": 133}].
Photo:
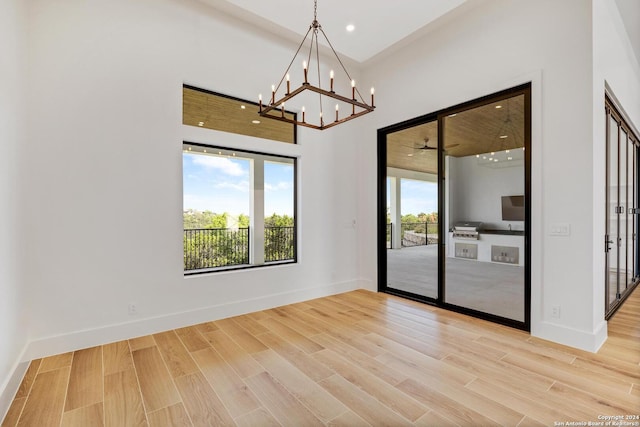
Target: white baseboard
[
  {"x": 584, "y": 340},
  {"x": 9, "y": 388},
  {"x": 97, "y": 336}
]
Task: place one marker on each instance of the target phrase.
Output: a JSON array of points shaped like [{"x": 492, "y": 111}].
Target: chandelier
[{"x": 275, "y": 107}]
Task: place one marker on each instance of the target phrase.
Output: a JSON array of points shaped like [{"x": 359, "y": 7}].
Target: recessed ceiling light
[
  {"x": 493, "y": 153},
  {"x": 477, "y": 156},
  {"x": 509, "y": 158},
  {"x": 452, "y": 115},
  {"x": 200, "y": 124},
  {"x": 495, "y": 160},
  {"x": 498, "y": 106},
  {"x": 351, "y": 28},
  {"x": 503, "y": 136},
  {"x": 255, "y": 122},
  {"x": 242, "y": 107},
  {"x": 409, "y": 155}
]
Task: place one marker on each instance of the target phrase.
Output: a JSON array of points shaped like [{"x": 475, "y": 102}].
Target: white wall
[
  {"x": 477, "y": 192},
  {"x": 484, "y": 47},
  {"x": 105, "y": 178},
  {"x": 13, "y": 322}
]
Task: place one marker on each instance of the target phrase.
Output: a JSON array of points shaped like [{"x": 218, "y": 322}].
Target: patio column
[
  {"x": 396, "y": 216},
  {"x": 256, "y": 234}
]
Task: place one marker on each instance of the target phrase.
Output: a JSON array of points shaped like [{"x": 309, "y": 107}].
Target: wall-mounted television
[{"x": 513, "y": 208}]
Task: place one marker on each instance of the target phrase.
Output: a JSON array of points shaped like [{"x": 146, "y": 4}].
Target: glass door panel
[
  {"x": 628, "y": 213},
  {"x": 485, "y": 208},
  {"x": 613, "y": 265},
  {"x": 633, "y": 202},
  {"x": 412, "y": 210},
  {"x": 622, "y": 214}
]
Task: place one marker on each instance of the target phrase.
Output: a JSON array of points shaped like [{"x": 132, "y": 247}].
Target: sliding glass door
[
  {"x": 485, "y": 180},
  {"x": 412, "y": 232},
  {"x": 454, "y": 208}
]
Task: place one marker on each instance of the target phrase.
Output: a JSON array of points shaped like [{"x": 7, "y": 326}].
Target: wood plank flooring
[{"x": 355, "y": 359}]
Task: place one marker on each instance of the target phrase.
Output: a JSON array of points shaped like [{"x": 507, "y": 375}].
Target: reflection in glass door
[
  {"x": 621, "y": 245},
  {"x": 412, "y": 210}
]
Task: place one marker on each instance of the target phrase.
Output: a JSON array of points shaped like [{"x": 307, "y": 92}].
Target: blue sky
[
  {"x": 417, "y": 196},
  {"x": 221, "y": 184}
]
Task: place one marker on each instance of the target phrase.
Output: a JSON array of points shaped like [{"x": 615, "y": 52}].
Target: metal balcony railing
[
  {"x": 215, "y": 247},
  {"x": 279, "y": 243},
  {"x": 225, "y": 247},
  {"x": 419, "y": 233}
]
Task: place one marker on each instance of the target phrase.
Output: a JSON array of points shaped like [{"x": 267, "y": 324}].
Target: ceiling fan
[{"x": 425, "y": 145}]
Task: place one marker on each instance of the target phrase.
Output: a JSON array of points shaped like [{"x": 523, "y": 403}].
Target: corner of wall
[
  {"x": 584, "y": 340},
  {"x": 9, "y": 388}
]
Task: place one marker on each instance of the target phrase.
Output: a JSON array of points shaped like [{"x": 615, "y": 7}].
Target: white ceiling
[{"x": 379, "y": 24}]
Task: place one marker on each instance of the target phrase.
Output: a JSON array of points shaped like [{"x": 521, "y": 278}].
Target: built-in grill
[{"x": 467, "y": 230}]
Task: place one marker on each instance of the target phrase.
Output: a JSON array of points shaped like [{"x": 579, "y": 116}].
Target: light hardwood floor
[{"x": 353, "y": 359}]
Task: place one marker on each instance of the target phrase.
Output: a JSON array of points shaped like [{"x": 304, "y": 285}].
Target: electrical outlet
[
  {"x": 133, "y": 309},
  {"x": 555, "y": 311}
]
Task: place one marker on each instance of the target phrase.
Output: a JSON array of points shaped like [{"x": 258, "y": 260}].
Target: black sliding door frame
[{"x": 525, "y": 90}]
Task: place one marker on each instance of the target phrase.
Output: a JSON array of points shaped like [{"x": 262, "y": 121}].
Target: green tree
[
  {"x": 279, "y": 238},
  {"x": 278, "y": 221},
  {"x": 243, "y": 221}
]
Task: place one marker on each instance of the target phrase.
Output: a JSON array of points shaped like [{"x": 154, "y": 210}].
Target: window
[
  {"x": 238, "y": 209},
  {"x": 225, "y": 113}
]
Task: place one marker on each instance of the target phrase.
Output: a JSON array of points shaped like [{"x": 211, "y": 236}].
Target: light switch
[{"x": 560, "y": 229}]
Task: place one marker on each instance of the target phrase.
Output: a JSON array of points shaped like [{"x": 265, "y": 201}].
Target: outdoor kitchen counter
[{"x": 504, "y": 232}]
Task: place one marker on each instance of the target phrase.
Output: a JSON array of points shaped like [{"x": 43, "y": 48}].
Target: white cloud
[
  {"x": 222, "y": 164},
  {"x": 282, "y": 185},
  {"x": 238, "y": 186}
]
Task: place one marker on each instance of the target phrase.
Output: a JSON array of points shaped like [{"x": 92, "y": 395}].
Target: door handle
[{"x": 607, "y": 248}]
